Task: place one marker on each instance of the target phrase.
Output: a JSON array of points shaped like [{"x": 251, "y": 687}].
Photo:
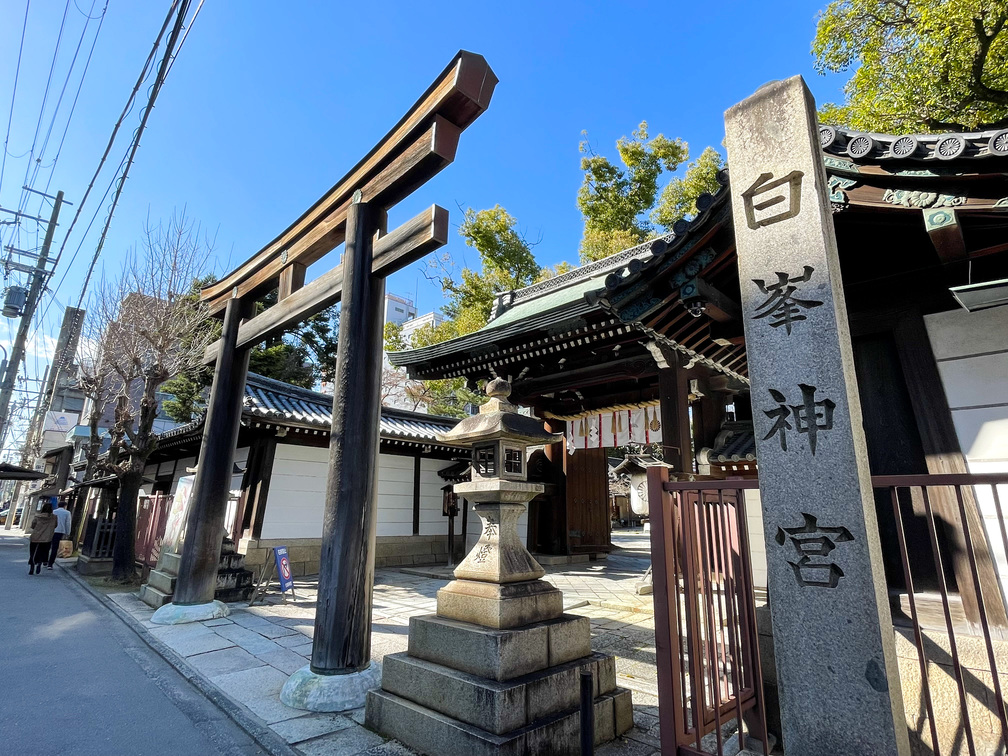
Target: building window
[
  {"x": 486, "y": 465},
  {"x": 513, "y": 461}
]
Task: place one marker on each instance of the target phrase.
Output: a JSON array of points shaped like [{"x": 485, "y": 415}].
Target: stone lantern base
[
  {"x": 499, "y": 606},
  {"x": 467, "y": 690},
  {"x": 496, "y": 671}
]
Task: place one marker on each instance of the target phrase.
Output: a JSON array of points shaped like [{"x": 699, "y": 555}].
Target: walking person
[
  {"x": 43, "y": 525},
  {"x": 62, "y": 531}
]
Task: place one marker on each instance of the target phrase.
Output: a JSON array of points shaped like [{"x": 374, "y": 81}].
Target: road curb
[{"x": 261, "y": 734}]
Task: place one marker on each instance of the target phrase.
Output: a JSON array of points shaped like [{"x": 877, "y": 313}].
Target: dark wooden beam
[
  {"x": 342, "y": 641},
  {"x": 255, "y": 486},
  {"x": 416, "y": 495},
  {"x": 943, "y": 227},
  {"x": 673, "y": 392},
  {"x": 590, "y": 375},
  {"x": 944, "y": 455},
  {"x": 432, "y": 151},
  {"x": 423, "y": 234},
  {"x": 727, "y": 334},
  {"x": 291, "y": 279},
  {"x": 197, "y": 578},
  {"x": 717, "y": 305},
  {"x": 456, "y": 98}
]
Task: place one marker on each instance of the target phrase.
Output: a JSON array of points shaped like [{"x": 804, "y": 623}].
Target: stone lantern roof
[{"x": 498, "y": 419}]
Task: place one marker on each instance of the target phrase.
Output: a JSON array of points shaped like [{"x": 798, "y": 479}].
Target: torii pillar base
[
  {"x": 180, "y": 614},
  {"x": 310, "y": 690}
]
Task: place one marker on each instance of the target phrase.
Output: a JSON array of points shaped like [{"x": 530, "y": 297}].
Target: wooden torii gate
[{"x": 353, "y": 213}]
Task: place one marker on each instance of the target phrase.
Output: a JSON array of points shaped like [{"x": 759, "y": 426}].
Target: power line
[
  {"x": 155, "y": 89},
  {"x": 45, "y": 98},
  {"x": 17, "y": 73},
  {"x": 59, "y": 102},
  {"x": 80, "y": 85},
  {"x": 115, "y": 130}
]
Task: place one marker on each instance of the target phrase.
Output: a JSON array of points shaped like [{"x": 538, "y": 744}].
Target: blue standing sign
[{"x": 283, "y": 568}]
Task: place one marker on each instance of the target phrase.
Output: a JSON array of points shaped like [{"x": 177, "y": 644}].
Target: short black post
[
  {"x": 451, "y": 538},
  {"x": 587, "y": 713}
]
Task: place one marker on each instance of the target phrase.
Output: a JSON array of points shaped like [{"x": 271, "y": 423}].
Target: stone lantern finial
[{"x": 498, "y": 388}]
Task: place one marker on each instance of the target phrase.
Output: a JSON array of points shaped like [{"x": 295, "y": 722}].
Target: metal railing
[
  {"x": 951, "y": 648},
  {"x": 709, "y": 680},
  {"x": 973, "y": 719},
  {"x": 152, "y": 517}
]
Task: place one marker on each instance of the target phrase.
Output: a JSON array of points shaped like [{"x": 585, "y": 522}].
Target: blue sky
[{"x": 269, "y": 104}]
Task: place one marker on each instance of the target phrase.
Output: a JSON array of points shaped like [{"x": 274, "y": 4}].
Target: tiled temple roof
[
  {"x": 870, "y": 147},
  {"x": 284, "y": 404}
]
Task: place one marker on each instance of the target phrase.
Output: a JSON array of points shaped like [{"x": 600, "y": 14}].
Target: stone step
[
  {"x": 434, "y": 734},
  {"x": 232, "y": 561},
  {"x": 153, "y": 597},
  {"x": 232, "y": 579},
  {"x": 497, "y": 707},
  {"x": 499, "y": 654},
  {"x": 169, "y": 563},
  {"x": 163, "y": 581}
]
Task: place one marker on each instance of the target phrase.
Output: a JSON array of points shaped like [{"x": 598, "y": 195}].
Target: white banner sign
[{"x": 616, "y": 428}]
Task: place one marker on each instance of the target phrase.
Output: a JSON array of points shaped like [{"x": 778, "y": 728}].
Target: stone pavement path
[{"x": 250, "y": 654}]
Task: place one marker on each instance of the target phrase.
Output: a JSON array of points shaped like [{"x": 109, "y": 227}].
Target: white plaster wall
[
  {"x": 971, "y": 349},
  {"x": 297, "y": 494},
  {"x": 757, "y": 544}
]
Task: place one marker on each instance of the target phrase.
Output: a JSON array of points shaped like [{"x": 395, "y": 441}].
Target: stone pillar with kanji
[{"x": 834, "y": 645}]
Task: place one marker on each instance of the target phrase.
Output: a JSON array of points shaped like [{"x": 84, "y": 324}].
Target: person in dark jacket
[{"x": 42, "y": 528}]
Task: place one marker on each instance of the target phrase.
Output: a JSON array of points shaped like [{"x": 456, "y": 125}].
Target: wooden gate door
[
  {"x": 587, "y": 501},
  {"x": 709, "y": 682}
]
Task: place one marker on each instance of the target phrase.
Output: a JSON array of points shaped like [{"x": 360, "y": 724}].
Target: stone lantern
[
  {"x": 496, "y": 670},
  {"x": 497, "y": 584}
]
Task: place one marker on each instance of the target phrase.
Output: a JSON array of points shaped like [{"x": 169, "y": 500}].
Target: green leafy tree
[
  {"x": 506, "y": 261},
  {"x": 302, "y": 356},
  {"x": 920, "y": 65},
  {"x": 678, "y": 198},
  {"x": 447, "y": 396},
  {"x": 615, "y": 200},
  {"x": 552, "y": 271},
  {"x": 393, "y": 338}
]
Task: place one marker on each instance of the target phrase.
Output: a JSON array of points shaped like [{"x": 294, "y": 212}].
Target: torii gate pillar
[
  {"x": 341, "y": 672},
  {"x": 193, "y": 600}
]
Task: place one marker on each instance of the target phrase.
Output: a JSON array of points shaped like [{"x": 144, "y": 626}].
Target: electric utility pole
[{"x": 18, "y": 350}]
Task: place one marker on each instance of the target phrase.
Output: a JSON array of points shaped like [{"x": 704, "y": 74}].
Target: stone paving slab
[
  {"x": 250, "y": 655},
  {"x": 223, "y": 661},
  {"x": 311, "y": 726},
  {"x": 353, "y": 740},
  {"x": 187, "y": 640},
  {"x": 283, "y": 659}
]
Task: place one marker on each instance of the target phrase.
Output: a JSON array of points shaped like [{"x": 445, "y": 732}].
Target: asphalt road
[{"x": 76, "y": 681}]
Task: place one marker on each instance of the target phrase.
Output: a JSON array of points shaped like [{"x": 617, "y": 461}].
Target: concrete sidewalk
[
  {"x": 78, "y": 681},
  {"x": 248, "y": 656}
]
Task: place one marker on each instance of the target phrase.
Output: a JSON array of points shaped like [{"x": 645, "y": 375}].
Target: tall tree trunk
[{"x": 123, "y": 554}]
